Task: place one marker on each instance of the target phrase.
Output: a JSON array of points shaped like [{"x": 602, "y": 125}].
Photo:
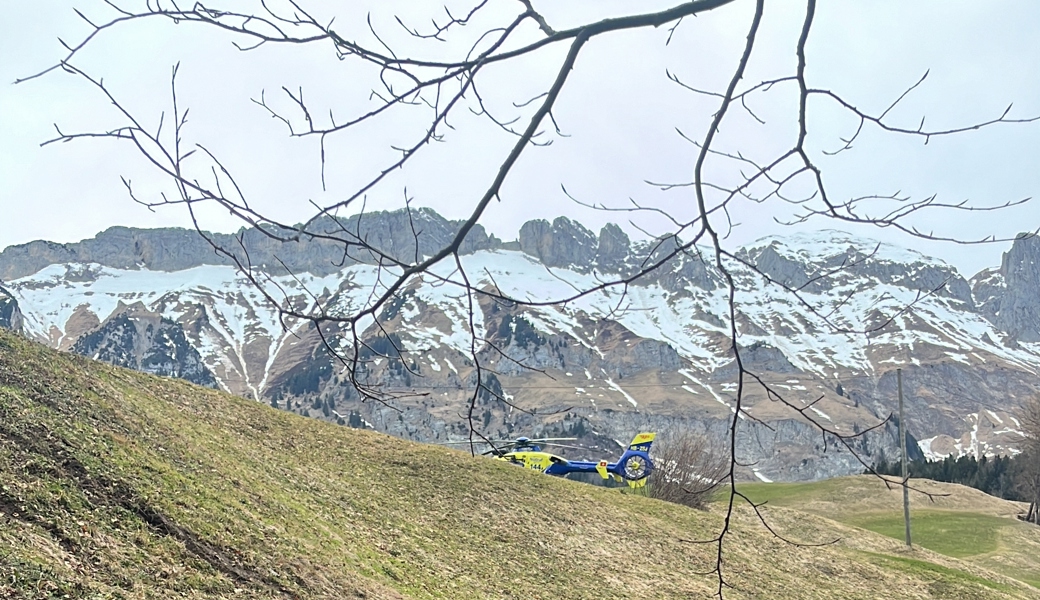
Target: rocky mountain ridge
[
  {"x": 175, "y": 249},
  {"x": 658, "y": 356}
]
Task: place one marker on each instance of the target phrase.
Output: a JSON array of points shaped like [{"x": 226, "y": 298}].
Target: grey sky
[{"x": 619, "y": 109}]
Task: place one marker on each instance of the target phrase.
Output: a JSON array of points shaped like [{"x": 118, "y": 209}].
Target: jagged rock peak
[
  {"x": 1010, "y": 296},
  {"x": 613, "y": 248},
  {"x": 565, "y": 243}
]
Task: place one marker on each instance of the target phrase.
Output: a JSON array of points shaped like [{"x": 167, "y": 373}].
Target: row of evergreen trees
[{"x": 1000, "y": 476}]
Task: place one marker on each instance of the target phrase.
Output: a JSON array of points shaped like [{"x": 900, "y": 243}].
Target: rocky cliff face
[
  {"x": 1008, "y": 296},
  {"x": 136, "y": 338},
  {"x": 561, "y": 244},
  {"x": 10, "y": 315},
  {"x": 600, "y": 367},
  {"x": 302, "y": 251}
]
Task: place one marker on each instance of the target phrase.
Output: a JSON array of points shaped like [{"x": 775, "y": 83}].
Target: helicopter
[{"x": 633, "y": 467}]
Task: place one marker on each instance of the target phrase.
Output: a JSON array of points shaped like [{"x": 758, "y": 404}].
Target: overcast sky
[{"x": 619, "y": 111}]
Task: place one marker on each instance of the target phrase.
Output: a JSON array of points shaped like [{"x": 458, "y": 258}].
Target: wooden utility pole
[{"x": 902, "y": 448}]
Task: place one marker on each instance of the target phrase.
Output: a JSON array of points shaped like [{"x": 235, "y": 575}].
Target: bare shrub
[{"x": 689, "y": 466}]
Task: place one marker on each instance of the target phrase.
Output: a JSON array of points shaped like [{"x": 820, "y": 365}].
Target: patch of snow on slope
[
  {"x": 617, "y": 388},
  {"x": 453, "y": 302},
  {"x": 718, "y": 398},
  {"x": 813, "y": 245},
  {"x": 926, "y": 449}
]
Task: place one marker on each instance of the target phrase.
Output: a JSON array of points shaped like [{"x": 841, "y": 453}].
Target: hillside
[
  {"x": 116, "y": 484},
  {"x": 161, "y": 301},
  {"x": 956, "y": 521}
]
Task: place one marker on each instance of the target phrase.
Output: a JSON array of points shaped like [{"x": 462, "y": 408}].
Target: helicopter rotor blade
[
  {"x": 475, "y": 442},
  {"x": 569, "y": 439},
  {"x": 513, "y": 441},
  {"x": 528, "y": 440},
  {"x": 554, "y": 445}
]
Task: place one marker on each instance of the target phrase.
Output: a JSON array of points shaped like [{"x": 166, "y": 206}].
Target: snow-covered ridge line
[
  {"x": 49, "y": 298},
  {"x": 827, "y": 243}
]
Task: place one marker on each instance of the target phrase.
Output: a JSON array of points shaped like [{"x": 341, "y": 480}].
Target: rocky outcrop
[
  {"x": 757, "y": 358},
  {"x": 780, "y": 268},
  {"x": 10, "y": 315},
  {"x": 681, "y": 267},
  {"x": 615, "y": 352},
  {"x": 1011, "y": 295},
  {"x": 613, "y": 248},
  {"x": 562, "y": 244},
  {"x": 988, "y": 289},
  {"x": 845, "y": 258},
  {"x": 138, "y": 339}
]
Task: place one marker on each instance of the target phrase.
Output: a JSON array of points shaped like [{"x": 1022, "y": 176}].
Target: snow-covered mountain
[{"x": 655, "y": 354}]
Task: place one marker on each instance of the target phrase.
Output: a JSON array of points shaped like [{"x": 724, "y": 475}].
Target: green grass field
[
  {"x": 795, "y": 494},
  {"x": 957, "y": 534}
]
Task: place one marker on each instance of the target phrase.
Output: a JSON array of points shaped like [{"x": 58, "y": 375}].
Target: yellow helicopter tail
[{"x": 642, "y": 442}]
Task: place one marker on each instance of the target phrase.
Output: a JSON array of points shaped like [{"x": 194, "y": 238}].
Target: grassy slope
[
  {"x": 115, "y": 484},
  {"x": 962, "y": 522}
]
